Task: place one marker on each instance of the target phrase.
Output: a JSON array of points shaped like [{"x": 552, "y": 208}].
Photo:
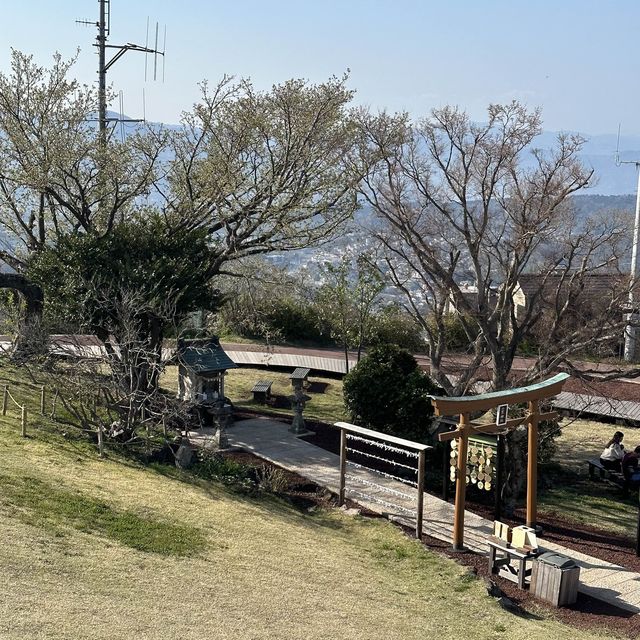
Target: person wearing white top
[{"x": 613, "y": 453}]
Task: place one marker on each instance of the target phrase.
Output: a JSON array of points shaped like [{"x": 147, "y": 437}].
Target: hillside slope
[{"x": 103, "y": 549}]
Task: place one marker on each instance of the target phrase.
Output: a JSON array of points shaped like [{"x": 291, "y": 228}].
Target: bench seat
[
  {"x": 262, "y": 391},
  {"x": 598, "y": 472}
]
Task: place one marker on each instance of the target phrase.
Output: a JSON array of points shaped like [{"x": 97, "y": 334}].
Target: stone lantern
[{"x": 298, "y": 399}]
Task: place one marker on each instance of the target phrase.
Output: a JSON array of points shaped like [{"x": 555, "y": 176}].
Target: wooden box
[{"x": 554, "y": 584}]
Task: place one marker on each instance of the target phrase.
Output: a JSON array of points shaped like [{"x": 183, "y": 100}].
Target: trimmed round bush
[{"x": 388, "y": 392}]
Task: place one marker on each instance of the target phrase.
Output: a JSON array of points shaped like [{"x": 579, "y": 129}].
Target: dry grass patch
[
  {"x": 327, "y": 406},
  {"x": 572, "y": 495},
  {"x": 582, "y": 440}
]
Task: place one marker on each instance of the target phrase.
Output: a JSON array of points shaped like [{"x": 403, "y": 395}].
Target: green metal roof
[
  {"x": 204, "y": 356},
  {"x": 453, "y": 405},
  {"x": 300, "y": 373}
]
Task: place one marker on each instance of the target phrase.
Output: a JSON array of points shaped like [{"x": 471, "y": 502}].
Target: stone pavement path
[{"x": 272, "y": 441}]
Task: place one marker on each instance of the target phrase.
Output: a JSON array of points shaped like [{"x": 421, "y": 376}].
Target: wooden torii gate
[{"x": 466, "y": 405}]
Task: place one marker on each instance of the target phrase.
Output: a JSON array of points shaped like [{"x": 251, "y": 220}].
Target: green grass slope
[{"x": 104, "y": 549}]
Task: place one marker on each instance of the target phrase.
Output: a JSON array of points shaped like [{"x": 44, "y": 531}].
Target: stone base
[
  {"x": 304, "y": 432},
  {"x": 298, "y": 426}
]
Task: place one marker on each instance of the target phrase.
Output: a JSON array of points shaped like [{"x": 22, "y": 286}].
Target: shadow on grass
[
  {"x": 38, "y": 503},
  {"x": 276, "y": 505},
  {"x": 575, "y": 497}
]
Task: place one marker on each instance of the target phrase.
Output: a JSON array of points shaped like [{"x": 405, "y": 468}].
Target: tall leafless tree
[{"x": 461, "y": 203}]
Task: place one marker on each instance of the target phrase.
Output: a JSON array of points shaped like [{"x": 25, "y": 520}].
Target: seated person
[
  {"x": 613, "y": 453},
  {"x": 630, "y": 466}
]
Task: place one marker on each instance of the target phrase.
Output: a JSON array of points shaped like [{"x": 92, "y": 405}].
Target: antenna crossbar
[
  {"x": 122, "y": 49},
  {"x": 104, "y": 28}
]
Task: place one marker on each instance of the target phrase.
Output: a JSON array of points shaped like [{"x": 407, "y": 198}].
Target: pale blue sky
[{"x": 577, "y": 59}]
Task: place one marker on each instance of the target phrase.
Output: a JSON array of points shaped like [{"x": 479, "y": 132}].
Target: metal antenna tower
[
  {"x": 104, "y": 30},
  {"x": 631, "y": 330}
]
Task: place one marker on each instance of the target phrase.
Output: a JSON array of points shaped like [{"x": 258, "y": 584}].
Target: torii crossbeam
[{"x": 466, "y": 405}]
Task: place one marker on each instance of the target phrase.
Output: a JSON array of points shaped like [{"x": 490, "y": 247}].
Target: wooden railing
[{"x": 386, "y": 444}]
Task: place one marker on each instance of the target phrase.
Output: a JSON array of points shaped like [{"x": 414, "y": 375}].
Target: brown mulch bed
[
  {"x": 586, "y": 539},
  {"x": 586, "y": 613}
]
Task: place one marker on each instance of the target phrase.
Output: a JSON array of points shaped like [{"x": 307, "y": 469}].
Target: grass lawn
[
  {"x": 103, "y": 549},
  {"x": 574, "y": 495},
  {"x": 327, "y": 406}
]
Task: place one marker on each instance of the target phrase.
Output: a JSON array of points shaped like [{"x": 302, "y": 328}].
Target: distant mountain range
[{"x": 599, "y": 153}]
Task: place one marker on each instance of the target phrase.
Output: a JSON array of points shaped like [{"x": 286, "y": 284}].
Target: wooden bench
[
  {"x": 262, "y": 391},
  {"x": 598, "y": 472},
  {"x": 503, "y": 567}
]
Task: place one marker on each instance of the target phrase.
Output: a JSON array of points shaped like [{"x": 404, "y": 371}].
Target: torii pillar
[{"x": 464, "y": 406}]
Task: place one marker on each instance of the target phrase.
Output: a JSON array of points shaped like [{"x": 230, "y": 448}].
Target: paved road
[
  {"x": 625, "y": 389},
  {"x": 333, "y": 360}
]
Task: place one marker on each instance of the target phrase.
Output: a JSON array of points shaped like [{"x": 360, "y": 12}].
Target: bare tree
[
  {"x": 105, "y": 390},
  {"x": 346, "y": 301},
  {"x": 251, "y": 290},
  {"x": 463, "y": 203},
  {"x": 253, "y": 171}
]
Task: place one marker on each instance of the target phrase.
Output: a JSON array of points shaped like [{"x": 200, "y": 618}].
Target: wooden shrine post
[
  {"x": 464, "y": 406},
  {"x": 532, "y": 464},
  {"x": 461, "y": 485}
]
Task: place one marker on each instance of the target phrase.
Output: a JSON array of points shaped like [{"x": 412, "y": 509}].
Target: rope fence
[
  {"x": 6, "y": 396},
  {"x": 8, "y": 400}
]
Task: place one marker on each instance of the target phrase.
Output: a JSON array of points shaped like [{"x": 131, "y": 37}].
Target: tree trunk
[{"x": 29, "y": 338}]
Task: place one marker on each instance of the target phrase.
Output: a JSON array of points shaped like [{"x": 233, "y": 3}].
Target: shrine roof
[{"x": 204, "y": 356}]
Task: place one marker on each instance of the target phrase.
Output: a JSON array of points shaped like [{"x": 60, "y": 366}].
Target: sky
[{"x": 576, "y": 59}]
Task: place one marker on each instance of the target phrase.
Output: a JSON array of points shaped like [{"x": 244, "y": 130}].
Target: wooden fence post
[
  {"x": 54, "y": 404},
  {"x": 343, "y": 465},
  {"x": 24, "y": 421},
  {"x": 420, "y": 506},
  {"x": 42, "y": 392},
  {"x": 100, "y": 440},
  {"x": 5, "y": 399}
]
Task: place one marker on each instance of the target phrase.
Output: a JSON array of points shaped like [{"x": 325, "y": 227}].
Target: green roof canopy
[
  {"x": 449, "y": 406},
  {"x": 204, "y": 356}
]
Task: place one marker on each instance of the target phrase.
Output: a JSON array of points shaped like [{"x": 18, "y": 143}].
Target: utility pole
[
  {"x": 631, "y": 328},
  {"x": 102, "y": 71},
  {"x": 104, "y": 29}
]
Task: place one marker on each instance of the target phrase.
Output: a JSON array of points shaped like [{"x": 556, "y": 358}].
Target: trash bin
[{"x": 554, "y": 579}]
